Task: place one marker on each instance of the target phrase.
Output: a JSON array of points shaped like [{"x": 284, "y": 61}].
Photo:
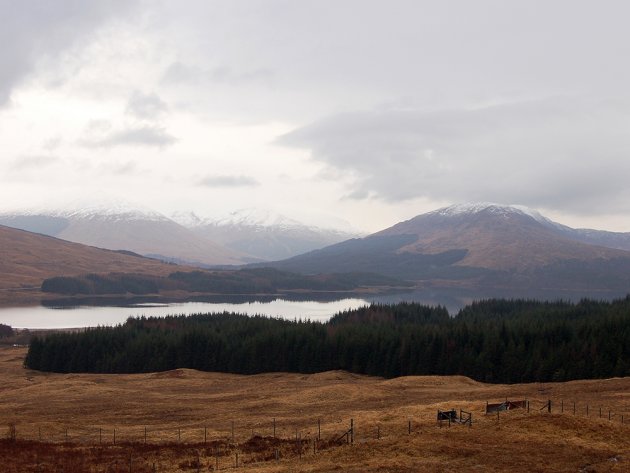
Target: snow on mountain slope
[
  {"x": 264, "y": 234},
  {"x": 118, "y": 225}
]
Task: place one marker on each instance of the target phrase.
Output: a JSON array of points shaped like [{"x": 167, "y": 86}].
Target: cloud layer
[{"x": 561, "y": 153}]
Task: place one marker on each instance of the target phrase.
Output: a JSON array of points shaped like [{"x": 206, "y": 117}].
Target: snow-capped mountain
[
  {"x": 263, "y": 234},
  {"x": 478, "y": 245},
  {"x": 124, "y": 226}
]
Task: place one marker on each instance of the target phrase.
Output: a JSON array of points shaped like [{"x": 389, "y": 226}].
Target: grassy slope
[
  {"x": 190, "y": 400},
  {"x": 28, "y": 258}
]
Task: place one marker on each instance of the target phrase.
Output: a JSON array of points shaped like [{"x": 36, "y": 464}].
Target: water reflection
[{"x": 66, "y": 316}]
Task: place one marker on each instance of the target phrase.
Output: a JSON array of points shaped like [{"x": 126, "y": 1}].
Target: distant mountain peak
[
  {"x": 255, "y": 217},
  {"x": 472, "y": 208},
  {"x": 92, "y": 207}
]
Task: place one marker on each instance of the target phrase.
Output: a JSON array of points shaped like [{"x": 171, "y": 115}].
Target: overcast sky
[{"x": 367, "y": 111}]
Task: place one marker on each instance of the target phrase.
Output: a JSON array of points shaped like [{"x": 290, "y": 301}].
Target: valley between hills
[
  {"x": 77, "y": 414},
  {"x": 203, "y": 421}
]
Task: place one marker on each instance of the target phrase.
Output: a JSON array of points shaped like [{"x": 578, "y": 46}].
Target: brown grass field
[{"x": 77, "y": 416}]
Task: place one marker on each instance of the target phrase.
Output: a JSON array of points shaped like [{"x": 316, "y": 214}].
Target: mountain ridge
[{"x": 477, "y": 245}]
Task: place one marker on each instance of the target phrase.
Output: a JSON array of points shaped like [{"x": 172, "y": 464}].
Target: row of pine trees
[{"x": 501, "y": 341}]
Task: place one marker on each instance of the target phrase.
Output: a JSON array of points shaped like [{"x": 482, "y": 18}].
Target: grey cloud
[
  {"x": 33, "y": 162},
  {"x": 568, "y": 154},
  {"x": 228, "y": 181},
  {"x": 178, "y": 73},
  {"x": 152, "y": 136},
  {"x": 34, "y": 29},
  {"x": 146, "y": 106}
]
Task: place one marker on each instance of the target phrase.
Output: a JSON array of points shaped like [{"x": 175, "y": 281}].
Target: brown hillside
[
  {"x": 26, "y": 259},
  {"x": 163, "y": 238},
  {"x": 496, "y": 240},
  {"x": 176, "y": 406}
]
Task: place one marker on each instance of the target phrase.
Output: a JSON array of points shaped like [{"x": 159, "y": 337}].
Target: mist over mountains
[
  {"x": 263, "y": 234},
  {"x": 478, "y": 248},
  {"x": 243, "y": 237}
]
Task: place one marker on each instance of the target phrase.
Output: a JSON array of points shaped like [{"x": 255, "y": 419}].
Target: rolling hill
[{"x": 29, "y": 258}]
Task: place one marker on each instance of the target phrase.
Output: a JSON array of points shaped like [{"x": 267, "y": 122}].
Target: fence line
[{"x": 207, "y": 433}]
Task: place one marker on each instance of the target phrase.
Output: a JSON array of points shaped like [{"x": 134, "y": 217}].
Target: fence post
[
  {"x": 528, "y": 406},
  {"x": 409, "y": 427},
  {"x": 600, "y": 411},
  {"x": 319, "y": 429},
  {"x": 352, "y": 431},
  {"x": 549, "y": 406}
]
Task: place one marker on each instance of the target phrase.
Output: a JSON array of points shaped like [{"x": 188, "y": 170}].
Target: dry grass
[
  {"x": 178, "y": 405},
  {"x": 29, "y": 258}
]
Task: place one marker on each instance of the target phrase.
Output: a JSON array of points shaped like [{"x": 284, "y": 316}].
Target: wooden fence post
[{"x": 352, "y": 431}]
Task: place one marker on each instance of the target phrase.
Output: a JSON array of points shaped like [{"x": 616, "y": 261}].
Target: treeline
[
  {"x": 5, "y": 331},
  {"x": 244, "y": 281},
  {"x": 493, "y": 341}
]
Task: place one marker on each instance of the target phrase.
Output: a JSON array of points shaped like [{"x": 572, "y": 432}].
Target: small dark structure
[{"x": 505, "y": 406}]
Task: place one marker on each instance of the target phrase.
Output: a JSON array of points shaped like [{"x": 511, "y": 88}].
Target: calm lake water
[{"x": 91, "y": 316}]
